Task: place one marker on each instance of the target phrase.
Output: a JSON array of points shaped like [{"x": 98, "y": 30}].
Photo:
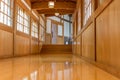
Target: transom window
[
  {"x": 34, "y": 29},
  {"x": 23, "y": 21},
  {"x": 87, "y": 10},
  {"x": 6, "y": 12}
]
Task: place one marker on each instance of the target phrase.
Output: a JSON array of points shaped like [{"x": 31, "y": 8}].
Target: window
[
  {"x": 34, "y": 29},
  {"x": 6, "y": 11},
  {"x": 59, "y": 30},
  {"x": 23, "y": 21},
  {"x": 55, "y": 18},
  {"x": 48, "y": 30},
  {"x": 66, "y": 29},
  {"x": 87, "y": 10}
]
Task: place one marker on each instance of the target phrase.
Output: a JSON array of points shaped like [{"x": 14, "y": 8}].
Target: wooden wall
[
  {"x": 34, "y": 46},
  {"x": 88, "y": 46},
  {"x": 60, "y": 40},
  {"x": 16, "y": 43},
  {"x": 48, "y": 38},
  {"x": 6, "y": 43},
  {"x": 108, "y": 35},
  {"x": 22, "y": 45},
  {"x": 100, "y": 38}
]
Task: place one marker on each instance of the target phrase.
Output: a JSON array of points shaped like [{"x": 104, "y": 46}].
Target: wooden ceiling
[
  {"x": 61, "y": 6},
  {"x": 52, "y": 0}
]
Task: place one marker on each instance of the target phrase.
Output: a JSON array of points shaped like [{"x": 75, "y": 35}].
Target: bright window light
[
  {"x": 56, "y": 14},
  {"x": 51, "y": 4},
  {"x": 34, "y": 75},
  {"x": 25, "y": 78}
]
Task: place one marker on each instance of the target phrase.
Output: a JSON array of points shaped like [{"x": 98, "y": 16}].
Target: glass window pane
[
  {"x": 87, "y": 10},
  {"x": 8, "y": 1},
  {"x": 5, "y": 9},
  {"x": 1, "y": 17},
  {"x": 8, "y": 11},
  {"x": 2, "y": 6},
  {"x": 21, "y": 27},
  {"x": 22, "y": 19},
  {"x": 9, "y": 21},
  {"x": 60, "y": 30},
  {"x": 26, "y": 30},
  {"x": 6, "y": 17}
]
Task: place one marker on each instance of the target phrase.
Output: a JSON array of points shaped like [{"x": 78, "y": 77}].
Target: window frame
[
  {"x": 7, "y": 13},
  {"x": 87, "y": 10},
  {"x": 34, "y": 29},
  {"x": 61, "y": 29},
  {"x": 22, "y": 17}
]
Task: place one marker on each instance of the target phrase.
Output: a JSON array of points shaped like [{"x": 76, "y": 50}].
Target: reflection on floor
[{"x": 50, "y": 67}]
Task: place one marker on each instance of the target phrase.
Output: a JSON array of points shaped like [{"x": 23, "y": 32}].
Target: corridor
[
  {"x": 51, "y": 67},
  {"x": 59, "y": 39}
]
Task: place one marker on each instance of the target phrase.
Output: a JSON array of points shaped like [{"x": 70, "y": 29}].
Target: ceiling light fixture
[
  {"x": 56, "y": 14},
  {"x": 51, "y": 4}
]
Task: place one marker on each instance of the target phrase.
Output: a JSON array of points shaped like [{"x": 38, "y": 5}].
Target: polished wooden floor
[{"x": 50, "y": 67}]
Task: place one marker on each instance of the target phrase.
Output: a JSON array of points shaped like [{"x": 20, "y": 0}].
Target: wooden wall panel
[
  {"x": 40, "y": 46},
  {"x": 22, "y": 46},
  {"x": 74, "y": 47},
  {"x": 108, "y": 35},
  {"x": 88, "y": 43},
  {"x": 79, "y": 46},
  {"x": 34, "y": 46},
  {"x": 48, "y": 39},
  {"x": 60, "y": 40},
  {"x": 6, "y": 44}
]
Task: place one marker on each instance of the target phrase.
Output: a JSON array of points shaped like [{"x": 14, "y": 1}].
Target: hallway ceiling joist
[
  {"x": 58, "y": 5},
  {"x": 52, "y": 0},
  {"x": 61, "y": 6},
  {"x": 52, "y": 11}
]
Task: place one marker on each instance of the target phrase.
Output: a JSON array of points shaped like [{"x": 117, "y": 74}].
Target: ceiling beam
[
  {"x": 58, "y": 5},
  {"x": 49, "y": 15},
  {"x": 53, "y": 11},
  {"x": 53, "y": 0},
  {"x": 64, "y": 19}
]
